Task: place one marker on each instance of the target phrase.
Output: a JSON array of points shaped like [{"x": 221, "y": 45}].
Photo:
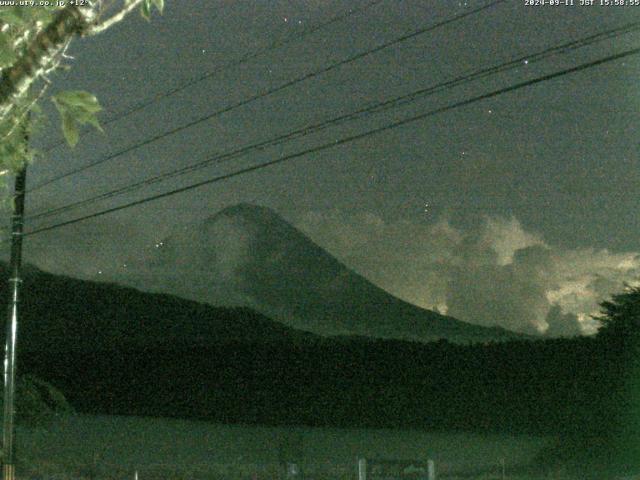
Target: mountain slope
[
  {"x": 62, "y": 313},
  {"x": 248, "y": 255},
  {"x": 117, "y": 350}
]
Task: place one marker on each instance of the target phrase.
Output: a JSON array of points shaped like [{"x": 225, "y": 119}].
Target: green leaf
[
  {"x": 76, "y": 108},
  {"x": 16, "y": 16},
  {"x": 93, "y": 121},
  {"x": 13, "y": 151},
  {"x": 145, "y": 9},
  {"x": 36, "y": 109},
  {"x": 159, "y": 4},
  {"x": 70, "y": 128},
  {"x": 79, "y": 99},
  {"x": 7, "y": 54},
  {"x": 44, "y": 13},
  {"x": 84, "y": 117}
]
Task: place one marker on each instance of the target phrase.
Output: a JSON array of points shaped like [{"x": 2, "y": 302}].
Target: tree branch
[
  {"x": 45, "y": 47},
  {"x": 20, "y": 117},
  {"x": 118, "y": 17}
]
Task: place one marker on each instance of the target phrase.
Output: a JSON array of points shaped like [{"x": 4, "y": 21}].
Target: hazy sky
[{"x": 520, "y": 209}]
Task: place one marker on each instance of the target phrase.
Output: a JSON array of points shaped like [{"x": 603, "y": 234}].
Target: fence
[
  {"x": 358, "y": 469},
  {"x": 386, "y": 469},
  {"x": 195, "y": 471}
]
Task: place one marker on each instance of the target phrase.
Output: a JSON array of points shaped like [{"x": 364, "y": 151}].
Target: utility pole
[{"x": 17, "y": 223}]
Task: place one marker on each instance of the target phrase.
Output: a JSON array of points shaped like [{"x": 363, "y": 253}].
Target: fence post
[
  {"x": 431, "y": 470},
  {"x": 362, "y": 469}
]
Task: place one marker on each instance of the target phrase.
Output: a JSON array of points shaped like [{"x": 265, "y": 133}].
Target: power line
[
  {"x": 345, "y": 140},
  {"x": 234, "y": 63},
  {"x": 373, "y": 109},
  {"x": 271, "y": 91}
]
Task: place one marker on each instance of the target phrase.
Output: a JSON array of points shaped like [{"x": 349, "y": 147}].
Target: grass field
[{"x": 117, "y": 447}]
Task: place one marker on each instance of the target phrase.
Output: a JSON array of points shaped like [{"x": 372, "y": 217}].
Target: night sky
[{"x": 519, "y": 210}]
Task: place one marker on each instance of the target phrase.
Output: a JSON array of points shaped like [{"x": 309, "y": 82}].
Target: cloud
[
  {"x": 511, "y": 295},
  {"x": 497, "y": 273},
  {"x": 562, "y": 324},
  {"x": 404, "y": 258},
  {"x": 505, "y": 237}
]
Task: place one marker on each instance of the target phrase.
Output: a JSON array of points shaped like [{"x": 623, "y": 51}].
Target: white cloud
[
  {"x": 505, "y": 237},
  {"x": 495, "y": 274},
  {"x": 498, "y": 273}
]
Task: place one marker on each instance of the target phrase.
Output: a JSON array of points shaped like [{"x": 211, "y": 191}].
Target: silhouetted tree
[
  {"x": 618, "y": 372},
  {"x": 620, "y": 317}
]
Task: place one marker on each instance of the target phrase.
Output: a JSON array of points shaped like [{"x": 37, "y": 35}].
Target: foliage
[
  {"x": 76, "y": 108},
  {"x": 620, "y": 335},
  {"x": 606, "y": 440},
  {"x": 147, "y": 6},
  {"x": 620, "y": 317},
  {"x": 38, "y": 402},
  {"x": 19, "y": 28}
]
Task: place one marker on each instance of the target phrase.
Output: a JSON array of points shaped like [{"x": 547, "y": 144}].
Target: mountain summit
[{"x": 248, "y": 255}]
